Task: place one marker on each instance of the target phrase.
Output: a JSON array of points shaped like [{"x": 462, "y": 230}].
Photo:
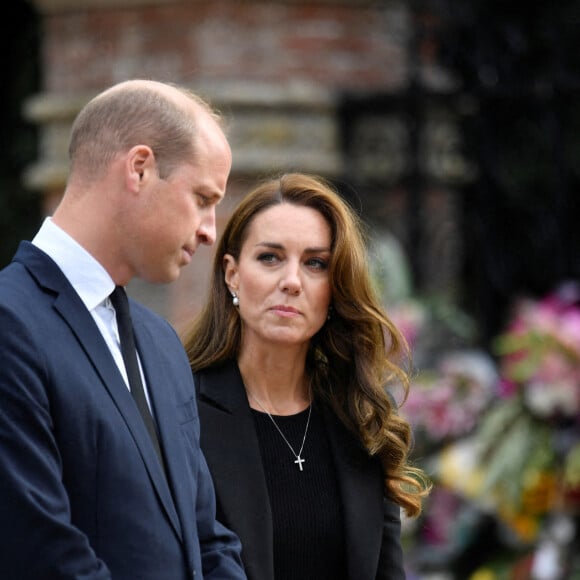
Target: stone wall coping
[
  {"x": 281, "y": 104},
  {"x": 62, "y": 6},
  {"x": 46, "y": 107}
]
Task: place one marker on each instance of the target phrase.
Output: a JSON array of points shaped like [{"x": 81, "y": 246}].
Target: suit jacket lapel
[
  {"x": 164, "y": 408},
  {"x": 74, "y": 313},
  {"x": 361, "y": 488},
  {"x": 230, "y": 443},
  {"x": 93, "y": 344}
]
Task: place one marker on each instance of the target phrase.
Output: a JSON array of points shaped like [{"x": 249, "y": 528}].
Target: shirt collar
[{"x": 86, "y": 275}]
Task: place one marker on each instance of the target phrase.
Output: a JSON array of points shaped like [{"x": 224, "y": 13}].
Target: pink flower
[{"x": 507, "y": 388}]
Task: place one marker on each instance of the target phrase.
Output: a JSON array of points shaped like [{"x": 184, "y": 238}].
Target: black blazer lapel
[
  {"x": 230, "y": 445},
  {"x": 361, "y": 488}
]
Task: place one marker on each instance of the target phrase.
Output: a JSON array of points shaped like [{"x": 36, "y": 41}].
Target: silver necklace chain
[{"x": 298, "y": 456}]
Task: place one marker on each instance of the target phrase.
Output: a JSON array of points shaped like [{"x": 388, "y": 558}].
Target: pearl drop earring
[{"x": 235, "y": 299}]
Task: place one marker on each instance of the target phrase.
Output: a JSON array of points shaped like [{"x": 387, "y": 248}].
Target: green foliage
[{"x": 572, "y": 468}]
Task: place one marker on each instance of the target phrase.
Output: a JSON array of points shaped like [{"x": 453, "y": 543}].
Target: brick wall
[
  {"x": 353, "y": 45},
  {"x": 275, "y": 68}
]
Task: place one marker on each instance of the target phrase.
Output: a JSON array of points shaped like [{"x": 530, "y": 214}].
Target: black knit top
[{"x": 306, "y": 506}]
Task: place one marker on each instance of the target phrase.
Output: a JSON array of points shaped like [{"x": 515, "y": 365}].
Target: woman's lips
[{"x": 285, "y": 310}]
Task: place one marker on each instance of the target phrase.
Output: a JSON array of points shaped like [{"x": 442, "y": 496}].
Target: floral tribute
[
  {"x": 529, "y": 441},
  {"x": 446, "y": 403},
  {"x": 500, "y": 434}
]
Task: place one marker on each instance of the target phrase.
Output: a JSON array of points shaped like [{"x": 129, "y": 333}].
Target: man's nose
[{"x": 206, "y": 232}]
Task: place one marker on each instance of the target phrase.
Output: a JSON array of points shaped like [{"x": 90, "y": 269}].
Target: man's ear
[
  {"x": 140, "y": 162},
  {"x": 230, "y": 267}
]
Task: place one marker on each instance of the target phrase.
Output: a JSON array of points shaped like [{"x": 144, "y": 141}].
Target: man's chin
[{"x": 165, "y": 277}]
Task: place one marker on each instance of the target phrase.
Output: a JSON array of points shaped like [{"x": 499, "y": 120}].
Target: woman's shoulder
[{"x": 224, "y": 369}]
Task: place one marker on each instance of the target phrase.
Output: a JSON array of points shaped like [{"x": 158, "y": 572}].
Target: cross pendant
[{"x": 300, "y": 461}]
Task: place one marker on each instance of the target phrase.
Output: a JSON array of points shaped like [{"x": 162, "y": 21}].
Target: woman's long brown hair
[{"x": 354, "y": 359}]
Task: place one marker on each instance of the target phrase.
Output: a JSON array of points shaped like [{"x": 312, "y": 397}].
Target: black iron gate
[{"x": 478, "y": 173}]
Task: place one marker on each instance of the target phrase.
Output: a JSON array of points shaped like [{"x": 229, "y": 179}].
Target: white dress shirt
[{"x": 91, "y": 282}]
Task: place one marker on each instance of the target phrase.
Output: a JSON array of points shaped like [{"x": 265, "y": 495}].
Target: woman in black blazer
[{"x": 291, "y": 355}]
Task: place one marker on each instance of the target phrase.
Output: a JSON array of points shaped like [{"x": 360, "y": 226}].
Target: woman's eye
[
  {"x": 268, "y": 258},
  {"x": 317, "y": 264}
]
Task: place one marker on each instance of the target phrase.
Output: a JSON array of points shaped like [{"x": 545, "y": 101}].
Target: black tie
[{"x": 129, "y": 352}]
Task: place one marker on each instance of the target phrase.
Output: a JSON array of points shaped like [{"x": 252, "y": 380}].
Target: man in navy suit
[{"x": 83, "y": 493}]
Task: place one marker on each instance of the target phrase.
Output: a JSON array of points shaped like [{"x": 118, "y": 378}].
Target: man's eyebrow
[{"x": 216, "y": 198}]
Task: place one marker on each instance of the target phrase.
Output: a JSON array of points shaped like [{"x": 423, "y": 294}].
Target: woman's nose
[{"x": 291, "y": 282}]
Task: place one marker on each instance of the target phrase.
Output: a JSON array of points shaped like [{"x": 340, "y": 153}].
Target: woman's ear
[{"x": 230, "y": 267}]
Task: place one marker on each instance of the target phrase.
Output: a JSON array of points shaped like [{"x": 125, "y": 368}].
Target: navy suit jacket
[
  {"x": 82, "y": 493},
  {"x": 230, "y": 444}
]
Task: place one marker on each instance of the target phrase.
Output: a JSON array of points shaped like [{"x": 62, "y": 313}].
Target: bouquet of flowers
[
  {"x": 507, "y": 447},
  {"x": 446, "y": 402},
  {"x": 528, "y": 443}
]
